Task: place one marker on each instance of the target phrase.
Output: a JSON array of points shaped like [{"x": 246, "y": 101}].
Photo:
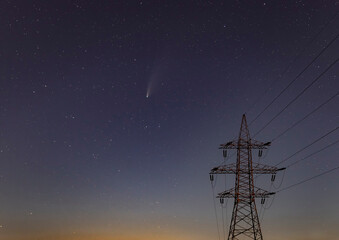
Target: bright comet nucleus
[{"x": 148, "y": 91}]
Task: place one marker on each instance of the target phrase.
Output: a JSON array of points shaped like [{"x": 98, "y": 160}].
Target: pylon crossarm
[
  {"x": 257, "y": 193},
  {"x": 224, "y": 169},
  {"x": 236, "y": 144},
  {"x": 257, "y": 169},
  {"x": 260, "y": 193},
  {"x": 229, "y": 145},
  {"x": 259, "y": 145},
  {"x": 265, "y": 169},
  {"x": 226, "y": 194}
]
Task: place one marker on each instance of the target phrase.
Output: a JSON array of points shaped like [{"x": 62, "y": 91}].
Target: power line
[
  {"x": 291, "y": 63},
  {"x": 223, "y": 217},
  {"x": 301, "y": 93},
  {"x": 304, "y": 158},
  {"x": 310, "y": 155},
  {"x": 264, "y": 208},
  {"x": 317, "y": 140},
  {"x": 309, "y": 114},
  {"x": 321, "y": 52},
  {"x": 281, "y": 182},
  {"x": 308, "y": 179},
  {"x": 215, "y": 209}
]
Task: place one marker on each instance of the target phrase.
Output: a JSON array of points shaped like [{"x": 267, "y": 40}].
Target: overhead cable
[
  {"x": 317, "y": 140},
  {"x": 308, "y": 179},
  {"x": 299, "y": 95},
  {"x": 310, "y": 155},
  {"x": 291, "y": 63},
  {"x": 215, "y": 209},
  {"x": 314, "y": 59},
  {"x": 309, "y": 114}
]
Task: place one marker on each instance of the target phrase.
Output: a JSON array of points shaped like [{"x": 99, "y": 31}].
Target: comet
[
  {"x": 148, "y": 92},
  {"x": 151, "y": 84},
  {"x": 157, "y": 74}
]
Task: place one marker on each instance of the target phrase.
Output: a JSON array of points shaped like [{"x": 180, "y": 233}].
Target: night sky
[{"x": 112, "y": 112}]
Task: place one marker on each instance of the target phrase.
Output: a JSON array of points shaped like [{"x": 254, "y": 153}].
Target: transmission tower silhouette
[{"x": 245, "y": 221}]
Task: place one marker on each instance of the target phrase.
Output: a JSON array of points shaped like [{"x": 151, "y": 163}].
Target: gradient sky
[{"x": 86, "y": 155}]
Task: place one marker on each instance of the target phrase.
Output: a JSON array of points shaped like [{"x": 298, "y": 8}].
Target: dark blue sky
[{"x": 86, "y": 155}]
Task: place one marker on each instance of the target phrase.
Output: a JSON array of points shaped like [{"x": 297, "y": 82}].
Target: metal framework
[{"x": 245, "y": 221}]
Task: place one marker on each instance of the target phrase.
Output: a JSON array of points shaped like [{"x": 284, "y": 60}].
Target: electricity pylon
[{"x": 245, "y": 221}]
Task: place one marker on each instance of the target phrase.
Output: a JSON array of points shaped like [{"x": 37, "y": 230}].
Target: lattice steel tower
[{"x": 245, "y": 221}]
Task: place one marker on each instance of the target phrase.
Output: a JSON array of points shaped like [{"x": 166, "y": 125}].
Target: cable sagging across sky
[
  {"x": 305, "y": 117},
  {"x": 314, "y": 59},
  {"x": 309, "y": 179},
  {"x": 290, "y": 65},
  {"x": 299, "y": 95},
  {"x": 317, "y": 140}
]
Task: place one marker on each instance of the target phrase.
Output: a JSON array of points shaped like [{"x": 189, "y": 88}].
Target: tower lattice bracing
[{"x": 245, "y": 221}]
